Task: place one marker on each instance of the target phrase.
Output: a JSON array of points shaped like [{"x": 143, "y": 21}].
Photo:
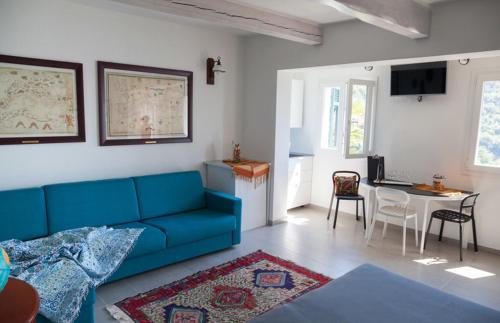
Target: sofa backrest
[
  {"x": 169, "y": 193},
  {"x": 22, "y": 214},
  {"x": 93, "y": 203}
]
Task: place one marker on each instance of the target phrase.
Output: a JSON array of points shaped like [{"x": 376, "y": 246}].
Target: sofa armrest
[{"x": 226, "y": 203}]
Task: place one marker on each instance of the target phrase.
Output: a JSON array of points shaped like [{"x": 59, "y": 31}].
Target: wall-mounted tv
[{"x": 418, "y": 79}]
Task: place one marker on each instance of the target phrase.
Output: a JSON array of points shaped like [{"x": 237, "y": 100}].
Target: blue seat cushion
[
  {"x": 22, "y": 214},
  {"x": 151, "y": 239},
  {"x": 93, "y": 203},
  {"x": 170, "y": 193},
  {"x": 195, "y": 225}
]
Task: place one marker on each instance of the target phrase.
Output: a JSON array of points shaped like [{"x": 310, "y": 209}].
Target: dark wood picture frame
[
  {"x": 102, "y": 95},
  {"x": 80, "y": 110}
]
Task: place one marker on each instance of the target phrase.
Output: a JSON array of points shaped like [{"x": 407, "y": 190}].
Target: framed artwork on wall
[
  {"x": 41, "y": 101},
  {"x": 144, "y": 105}
]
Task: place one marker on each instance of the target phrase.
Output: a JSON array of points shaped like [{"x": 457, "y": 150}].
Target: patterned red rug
[{"x": 236, "y": 291}]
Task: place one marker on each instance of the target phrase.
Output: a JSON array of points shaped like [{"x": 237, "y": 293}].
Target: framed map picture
[
  {"x": 41, "y": 101},
  {"x": 144, "y": 105}
]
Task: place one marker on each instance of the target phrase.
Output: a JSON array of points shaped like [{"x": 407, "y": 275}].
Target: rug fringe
[{"x": 118, "y": 314}]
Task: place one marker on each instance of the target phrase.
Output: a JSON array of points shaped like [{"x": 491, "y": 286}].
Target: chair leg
[
  {"x": 427, "y": 234},
  {"x": 357, "y": 208},
  {"x": 416, "y": 231},
  {"x": 385, "y": 228},
  {"x": 331, "y": 203},
  {"x": 336, "y": 213},
  {"x": 460, "y": 241},
  {"x": 404, "y": 237},
  {"x": 474, "y": 236},
  {"x": 441, "y": 231},
  {"x": 364, "y": 214}
]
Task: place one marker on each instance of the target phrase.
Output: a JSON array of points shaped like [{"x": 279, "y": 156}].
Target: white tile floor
[{"x": 309, "y": 240}]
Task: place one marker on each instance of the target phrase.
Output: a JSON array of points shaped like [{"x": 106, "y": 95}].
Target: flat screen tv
[{"x": 418, "y": 79}]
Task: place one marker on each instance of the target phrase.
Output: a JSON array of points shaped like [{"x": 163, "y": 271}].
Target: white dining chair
[{"x": 393, "y": 204}]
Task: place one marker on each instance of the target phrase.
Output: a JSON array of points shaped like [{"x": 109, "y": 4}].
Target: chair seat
[
  {"x": 151, "y": 239},
  {"x": 350, "y": 197},
  {"x": 192, "y": 226},
  {"x": 392, "y": 210},
  {"x": 451, "y": 216}
]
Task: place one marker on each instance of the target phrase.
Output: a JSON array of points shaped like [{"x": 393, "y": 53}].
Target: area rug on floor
[{"x": 236, "y": 291}]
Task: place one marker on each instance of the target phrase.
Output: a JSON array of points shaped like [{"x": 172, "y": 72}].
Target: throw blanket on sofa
[{"x": 66, "y": 265}]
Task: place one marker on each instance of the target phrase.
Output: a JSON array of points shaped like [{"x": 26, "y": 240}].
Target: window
[
  {"x": 486, "y": 149},
  {"x": 331, "y": 131},
  {"x": 360, "y": 106}
]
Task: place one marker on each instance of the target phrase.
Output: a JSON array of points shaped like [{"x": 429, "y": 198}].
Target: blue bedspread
[
  {"x": 369, "y": 294},
  {"x": 66, "y": 265}
]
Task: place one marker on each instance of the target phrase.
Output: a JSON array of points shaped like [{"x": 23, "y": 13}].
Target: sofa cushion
[
  {"x": 94, "y": 203},
  {"x": 22, "y": 214},
  {"x": 151, "y": 239},
  {"x": 192, "y": 226},
  {"x": 171, "y": 193}
]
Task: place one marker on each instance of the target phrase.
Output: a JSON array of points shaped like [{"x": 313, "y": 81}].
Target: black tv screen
[{"x": 418, "y": 79}]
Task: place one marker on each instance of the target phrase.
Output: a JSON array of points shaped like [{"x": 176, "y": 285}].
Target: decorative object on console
[
  {"x": 41, "y": 101},
  {"x": 144, "y": 105},
  {"x": 214, "y": 66},
  {"x": 438, "y": 182},
  {"x": 250, "y": 170},
  {"x": 236, "y": 291},
  {"x": 236, "y": 153},
  {"x": 4, "y": 268}
]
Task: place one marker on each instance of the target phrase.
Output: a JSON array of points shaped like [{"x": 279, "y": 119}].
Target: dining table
[{"x": 427, "y": 196}]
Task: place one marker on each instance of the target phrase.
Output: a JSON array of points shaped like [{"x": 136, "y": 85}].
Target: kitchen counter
[{"x": 295, "y": 155}]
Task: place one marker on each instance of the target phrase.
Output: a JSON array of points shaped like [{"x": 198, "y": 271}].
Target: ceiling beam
[
  {"x": 237, "y": 16},
  {"x": 404, "y": 17}
]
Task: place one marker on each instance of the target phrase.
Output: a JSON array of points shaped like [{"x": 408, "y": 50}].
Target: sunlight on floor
[
  {"x": 431, "y": 261},
  {"x": 297, "y": 220},
  {"x": 470, "y": 272}
]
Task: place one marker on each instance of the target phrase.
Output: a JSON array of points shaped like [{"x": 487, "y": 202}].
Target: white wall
[
  {"x": 416, "y": 138},
  {"x": 460, "y": 26},
  {"x": 432, "y": 137},
  {"x": 74, "y": 31},
  {"x": 308, "y": 138}
]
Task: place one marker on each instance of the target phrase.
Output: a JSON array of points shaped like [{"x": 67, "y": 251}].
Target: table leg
[
  {"x": 424, "y": 225},
  {"x": 371, "y": 209}
]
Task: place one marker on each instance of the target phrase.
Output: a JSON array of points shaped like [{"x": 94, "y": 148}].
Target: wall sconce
[
  {"x": 369, "y": 68},
  {"x": 214, "y": 66}
]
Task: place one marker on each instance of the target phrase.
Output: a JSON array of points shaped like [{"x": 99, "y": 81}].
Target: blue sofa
[{"x": 181, "y": 219}]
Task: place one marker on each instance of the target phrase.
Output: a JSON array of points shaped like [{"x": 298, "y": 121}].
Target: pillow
[{"x": 345, "y": 185}]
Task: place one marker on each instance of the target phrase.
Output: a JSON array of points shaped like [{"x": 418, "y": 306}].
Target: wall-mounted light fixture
[
  {"x": 368, "y": 68},
  {"x": 464, "y": 61},
  {"x": 214, "y": 66}
]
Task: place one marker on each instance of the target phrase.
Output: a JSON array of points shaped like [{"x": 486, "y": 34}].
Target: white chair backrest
[{"x": 387, "y": 196}]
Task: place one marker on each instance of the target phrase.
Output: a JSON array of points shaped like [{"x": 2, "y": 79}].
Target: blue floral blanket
[{"x": 65, "y": 266}]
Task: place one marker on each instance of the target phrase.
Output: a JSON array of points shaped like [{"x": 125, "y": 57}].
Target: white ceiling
[{"x": 307, "y": 9}]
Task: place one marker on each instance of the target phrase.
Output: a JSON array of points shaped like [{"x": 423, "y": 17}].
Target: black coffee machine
[{"x": 376, "y": 169}]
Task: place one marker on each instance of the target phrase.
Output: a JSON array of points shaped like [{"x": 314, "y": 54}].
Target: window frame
[
  {"x": 369, "y": 117},
  {"x": 475, "y": 118},
  {"x": 325, "y": 127}
]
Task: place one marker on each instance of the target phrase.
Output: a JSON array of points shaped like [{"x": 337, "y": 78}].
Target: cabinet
[
  {"x": 296, "y": 103},
  {"x": 253, "y": 197},
  {"x": 299, "y": 181}
]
